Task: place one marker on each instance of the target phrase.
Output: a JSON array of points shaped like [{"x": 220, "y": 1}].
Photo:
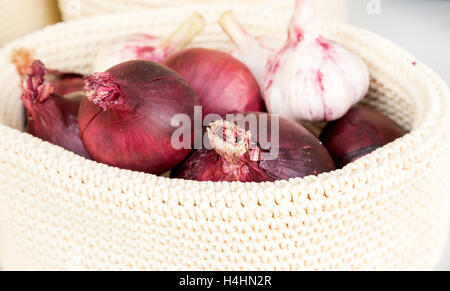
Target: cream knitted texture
[{"x": 388, "y": 210}]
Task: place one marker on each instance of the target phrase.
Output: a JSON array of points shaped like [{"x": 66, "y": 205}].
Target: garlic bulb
[
  {"x": 147, "y": 47},
  {"x": 311, "y": 78},
  {"x": 252, "y": 51}
]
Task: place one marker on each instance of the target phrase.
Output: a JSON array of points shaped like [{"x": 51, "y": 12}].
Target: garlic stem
[
  {"x": 253, "y": 52},
  {"x": 231, "y": 142},
  {"x": 237, "y": 33},
  {"x": 184, "y": 34},
  {"x": 34, "y": 86},
  {"x": 303, "y": 21}
]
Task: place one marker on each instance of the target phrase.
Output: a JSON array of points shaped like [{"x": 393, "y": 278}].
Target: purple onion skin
[
  {"x": 361, "y": 131},
  {"x": 56, "y": 121},
  {"x": 300, "y": 154},
  {"x": 134, "y": 130},
  {"x": 50, "y": 116},
  {"x": 222, "y": 83}
]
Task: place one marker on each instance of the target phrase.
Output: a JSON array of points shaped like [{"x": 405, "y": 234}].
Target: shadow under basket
[{"x": 388, "y": 210}]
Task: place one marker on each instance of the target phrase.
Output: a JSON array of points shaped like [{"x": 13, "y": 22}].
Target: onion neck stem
[
  {"x": 34, "y": 86},
  {"x": 231, "y": 142},
  {"x": 23, "y": 60},
  {"x": 103, "y": 90}
]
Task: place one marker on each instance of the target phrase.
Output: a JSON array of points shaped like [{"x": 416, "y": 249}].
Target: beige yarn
[
  {"x": 388, "y": 210},
  {"x": 329, "y": 10}
]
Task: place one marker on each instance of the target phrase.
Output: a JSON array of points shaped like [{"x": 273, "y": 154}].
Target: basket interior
[{"x": 72, "y": 47}]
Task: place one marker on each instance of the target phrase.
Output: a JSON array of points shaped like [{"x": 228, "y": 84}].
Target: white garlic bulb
[
  {"x": 252, "y": 51},
  {"x": 147, "y": 47},
  {"x": 311, "y": 78}
]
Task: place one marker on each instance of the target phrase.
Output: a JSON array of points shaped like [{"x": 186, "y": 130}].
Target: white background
[{"x": 422, "y": 27}]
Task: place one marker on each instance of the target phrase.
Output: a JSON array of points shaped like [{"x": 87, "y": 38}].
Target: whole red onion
[
  {"x": 238, "y": 152},
  {"x": 125, "y": 121},
  {"x": 50, "y": 116},
  {"x": 222, "y": 83},
  {"x": 361, "y": 131}
]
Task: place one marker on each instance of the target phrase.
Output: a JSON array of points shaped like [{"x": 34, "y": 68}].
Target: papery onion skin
[
  {"x": 300, "y": 154},
  {"x": 361, "y": 131},
  {"x": 63, "y": 83},
  {"x": 222, "y": 83},
  {"x": 50, "y": 116},
  {"x": 125, "y": 119}
]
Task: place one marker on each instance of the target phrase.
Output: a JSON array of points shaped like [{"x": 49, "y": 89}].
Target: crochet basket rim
[{"x": 436, "y": 109}]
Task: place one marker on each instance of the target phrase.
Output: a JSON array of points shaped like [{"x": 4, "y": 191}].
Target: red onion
[
  {"x": 147, "y": 47},
  {"x": 50, "y": 116},
  {"x": 241, "y": 152},
  {"x": 222, "y": 83},
  {"x": 359, "y": 132},
  {"x": 125, "y": 121}
]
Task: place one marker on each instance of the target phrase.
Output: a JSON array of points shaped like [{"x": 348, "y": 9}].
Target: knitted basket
[
  {"x": 330, "y": 10},
  {"x": 388, "y": 210}
]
